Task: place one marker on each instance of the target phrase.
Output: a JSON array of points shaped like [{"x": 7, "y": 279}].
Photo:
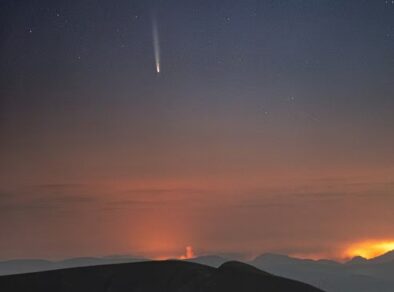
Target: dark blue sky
[{"x": 268, "y": 104}]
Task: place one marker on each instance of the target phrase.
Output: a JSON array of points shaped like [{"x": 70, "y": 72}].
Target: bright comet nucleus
[{"x": 370, "y": 249}]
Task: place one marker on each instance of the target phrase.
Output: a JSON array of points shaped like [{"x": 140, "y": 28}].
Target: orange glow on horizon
[
  {"x": 370, "y": 249},
  {"x": 189, "y": 254}
]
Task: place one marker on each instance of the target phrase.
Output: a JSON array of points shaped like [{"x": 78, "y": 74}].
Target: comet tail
[{"x": 156, "y": 44}]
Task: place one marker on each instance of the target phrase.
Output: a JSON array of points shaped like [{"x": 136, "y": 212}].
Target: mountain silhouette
[
  {"x": 12, "y": 267},
  {"x": 356, "y": 275},
  {"x": 211, "y": 260},
  {"x": 387, "y": 257},
  {"x": 357, "y": 260},
  {"x": 166, "y": 276}
]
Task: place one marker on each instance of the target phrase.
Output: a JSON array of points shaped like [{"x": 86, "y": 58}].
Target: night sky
[{"x": 270, "y": 127}]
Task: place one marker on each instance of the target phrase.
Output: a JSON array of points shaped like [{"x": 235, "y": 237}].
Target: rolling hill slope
[{"x": 171, "y": 276}]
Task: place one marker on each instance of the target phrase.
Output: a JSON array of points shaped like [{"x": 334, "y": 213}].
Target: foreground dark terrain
[
  {"x": 153, "y": 276},
  {"x": 356, "y": 275}
]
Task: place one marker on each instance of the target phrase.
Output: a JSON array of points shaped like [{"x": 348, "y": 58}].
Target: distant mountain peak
[
  {"x": 241, "y": 267},
  {"x": 387, "y": 257},
  {"x": 209, "y": 260},
  {"x": 357, "y": 260},
  {"x": 273, "y": 256}
]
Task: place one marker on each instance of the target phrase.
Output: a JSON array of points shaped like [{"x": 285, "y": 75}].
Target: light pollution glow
[
  {"x": 370, "y": 249},
  {"x": 366, "y": 249},
  {"x": 189, "y": 253}
]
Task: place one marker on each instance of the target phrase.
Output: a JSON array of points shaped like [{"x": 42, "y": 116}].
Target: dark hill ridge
[
  {"x": 23, "y": 266},
  {"x": 165, "y": 276}
]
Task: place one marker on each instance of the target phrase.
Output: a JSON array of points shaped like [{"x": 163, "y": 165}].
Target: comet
[{"x": 156, "y": 43}]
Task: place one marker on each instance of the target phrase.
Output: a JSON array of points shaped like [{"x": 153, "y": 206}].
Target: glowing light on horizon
[
  {"x": 189, "y": 253},
  {"x": 370, "y": 249}
]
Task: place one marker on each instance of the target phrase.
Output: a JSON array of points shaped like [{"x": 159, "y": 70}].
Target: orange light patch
[
  {"x": 189, "y": 254},
  {"x": 370, "y": 249}
]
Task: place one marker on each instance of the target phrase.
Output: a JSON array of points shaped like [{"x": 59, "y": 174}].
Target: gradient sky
[{"x": 269, "y": 129}]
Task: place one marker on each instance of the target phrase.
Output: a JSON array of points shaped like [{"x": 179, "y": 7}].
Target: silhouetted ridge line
[{"x": 174, "y": 276}]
